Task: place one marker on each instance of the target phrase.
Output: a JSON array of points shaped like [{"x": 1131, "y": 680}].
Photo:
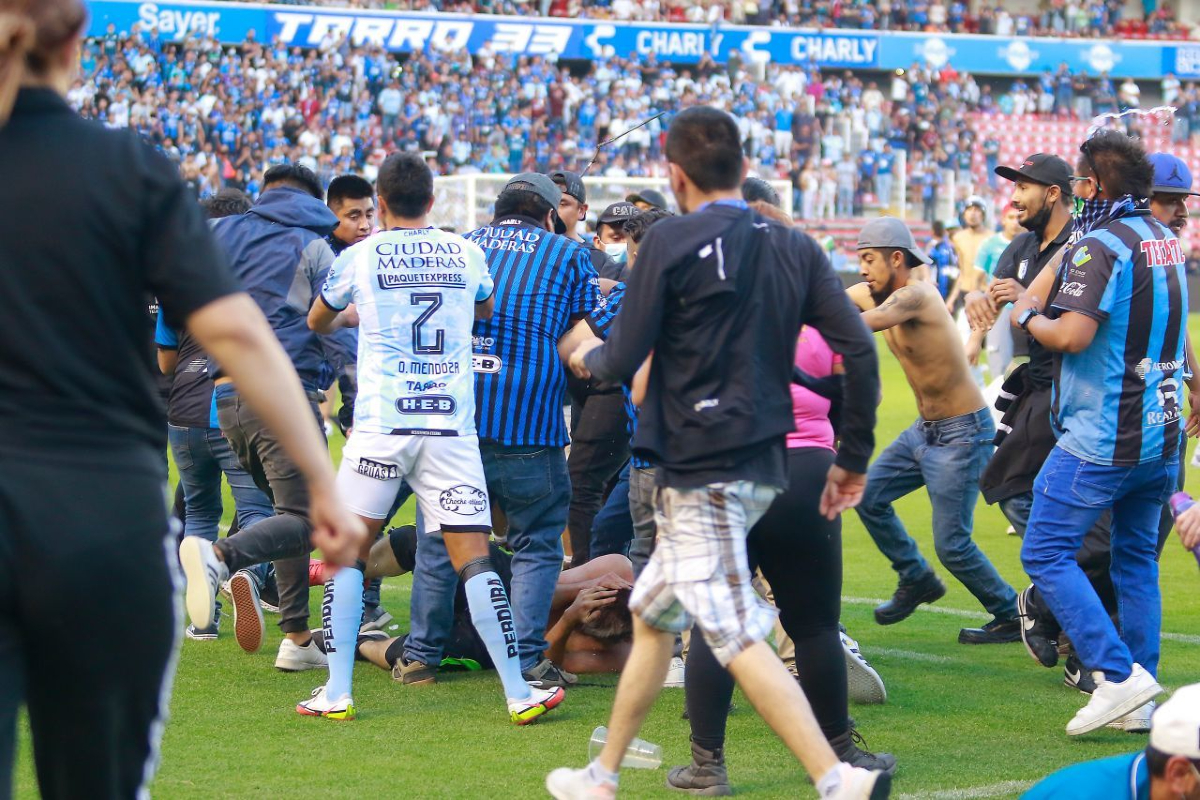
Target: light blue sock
[
  {"x": 341, "y": 613},
  {"x": 493, "y": 620}
]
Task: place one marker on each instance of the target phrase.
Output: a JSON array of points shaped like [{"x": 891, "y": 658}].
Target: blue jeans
[
  {"x": 533, "y": 489},
  {"x": 201, "y": 456},
  {"x": 1068, "y": 496},
  {"x": 946, "y": 457},
  {"x": 612, "y": 528}
]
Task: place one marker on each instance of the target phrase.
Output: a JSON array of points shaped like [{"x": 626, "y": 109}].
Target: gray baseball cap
[
  {"x": 539, "y": 184},
  {"x": 543, "y": 187},
  {"x": 888, "y": 232}
]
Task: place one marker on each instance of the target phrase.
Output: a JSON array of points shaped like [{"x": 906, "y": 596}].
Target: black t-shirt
[
  {"x": 190, "y": 403},
  {"x": 1023, "y": 260},
  {"x": 76, "y": 373}
]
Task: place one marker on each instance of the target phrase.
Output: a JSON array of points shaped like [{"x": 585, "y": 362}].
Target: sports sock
[
  {"x": 599, "y": 776},
  {"x": 341, "y": 613},
  {"x": 493, "y": 620}
]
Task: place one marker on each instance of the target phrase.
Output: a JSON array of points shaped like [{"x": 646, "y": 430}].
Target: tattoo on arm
[{"x": 904, "y": 300}]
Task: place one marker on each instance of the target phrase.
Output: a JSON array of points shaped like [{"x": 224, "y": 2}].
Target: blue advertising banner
[
  {"x": 1183, "y": 60},
  {"x": 403, "y": 32}
]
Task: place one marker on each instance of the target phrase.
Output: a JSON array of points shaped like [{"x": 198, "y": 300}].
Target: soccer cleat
[
  {"x": 538, "y": 703},
  {"x": 907, "y": 597},
  {"x": 863, "y": 682},
  {"x": 675, "y": 674},
  {"x": 414, "y": 673},
  {"x": 248, "y": 628},
  {"x": 1136, "y": 721},
  {"x": 202, "y": 634},
  {"x": 294, "y": 658},
  {"x": 998, "y": 631},
  {"x": 204, "y": 573},
  {"x": 546, "y": 675},
  {"x": 319, "y": 705},
  {"x": 1076, "y": 677},
  {"x": 577, "y": 784},
  {"x": 1113, "y": 700},
  {"x": 316, "y": 572},
  {"x": 1036, "y": 634},
  {"x": 706, "y": 776},
  {"x": 375, "y": 619}
]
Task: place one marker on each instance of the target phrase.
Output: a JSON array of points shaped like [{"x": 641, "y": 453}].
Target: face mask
[
  {"x": 1096, "y": 212},
  {"x": 616, "y": 251}
]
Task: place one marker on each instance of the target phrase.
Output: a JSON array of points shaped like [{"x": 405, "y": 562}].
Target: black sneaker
[
  {"x": 546, "y": 675},
  {"x": 852, "y": 748},
  {"x": 1038, "y": 635},
  {"x": 998, "y": 631},
  {"x": 1075, "y": 676},
  {"x": 907, "y": 597}
]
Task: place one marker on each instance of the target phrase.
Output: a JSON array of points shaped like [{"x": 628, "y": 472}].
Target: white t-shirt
[{"x": 415, "y": 292}]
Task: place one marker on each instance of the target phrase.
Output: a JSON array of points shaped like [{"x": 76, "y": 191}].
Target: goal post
[{"x": 465, "y": 202}]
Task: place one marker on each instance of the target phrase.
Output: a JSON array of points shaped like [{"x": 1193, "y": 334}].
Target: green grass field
[{"x": 963, "y": 722}]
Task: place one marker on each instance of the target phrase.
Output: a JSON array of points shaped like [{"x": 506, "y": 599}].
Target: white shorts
[{"x": 444, "y": 472}]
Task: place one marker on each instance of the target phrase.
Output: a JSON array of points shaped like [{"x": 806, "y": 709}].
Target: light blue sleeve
[{"x": 338, "y": 291}]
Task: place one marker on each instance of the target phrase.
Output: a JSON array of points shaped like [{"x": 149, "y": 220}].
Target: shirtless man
[
  {"x": 589, "y": 632},
  {"x": 945, "y": 450}
]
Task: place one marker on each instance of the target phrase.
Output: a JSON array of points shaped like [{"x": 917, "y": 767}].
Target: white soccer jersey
[{"x": 415, "y": 291}]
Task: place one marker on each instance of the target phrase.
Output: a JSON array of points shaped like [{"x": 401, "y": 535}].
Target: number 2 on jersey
[{"x": 438, "y": 346}]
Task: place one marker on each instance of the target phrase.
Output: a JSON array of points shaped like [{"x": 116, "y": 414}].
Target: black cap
[
  {"x": 618, "y": 212},
  {"x": 651, "y": 196},
  {"x": 1043, "y": 168},
  {"x": 757, "y": 189},
  {"x": 571, "y": 184}
]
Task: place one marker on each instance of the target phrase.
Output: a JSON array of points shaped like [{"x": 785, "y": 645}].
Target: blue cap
[{"x": 1171, "y": 175}]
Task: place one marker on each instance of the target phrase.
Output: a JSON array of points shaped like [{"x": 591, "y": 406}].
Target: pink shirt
[{"x": 813, "y": 428}]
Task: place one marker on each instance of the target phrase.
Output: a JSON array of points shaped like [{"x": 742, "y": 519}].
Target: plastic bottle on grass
[
  {"x": 1180, "y": 502},
  {"x": 639, "y": 755}
]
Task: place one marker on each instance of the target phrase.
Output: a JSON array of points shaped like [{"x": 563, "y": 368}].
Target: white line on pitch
[
  {"x": 908, "y": 654},
  {"x": 1183, "y": 638},
  {"x": 972, "y": 792}
]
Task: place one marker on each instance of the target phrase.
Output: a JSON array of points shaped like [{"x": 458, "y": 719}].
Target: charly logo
[
  {"x": 464, "y": 500},
  {"x": 1022, "y": 269},
  {"x": 935, "y": 51},
  {"x": 1018, "y": 55}
]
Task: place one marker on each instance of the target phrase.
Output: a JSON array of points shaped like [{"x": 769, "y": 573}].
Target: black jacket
[{"x": 719, "y": 296}]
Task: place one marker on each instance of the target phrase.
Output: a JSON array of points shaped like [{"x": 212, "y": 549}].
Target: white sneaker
[
  {"x": 1136, "y": 721},
  {"x": 319, "y": 705},
  {"x": 675, "y": 674},
  {"x": 1196, "y": 458},
  {"x": 576, "y": 784},
  {"x": 865, "y": 685},
  {"x": 861, "y": 784},
  {"x": 294, "y": 658},
  {"x": 248, "y": 627},
  {"x": 204, "y": 573},
  {"x": 538, "y": 703},
  {"x": 1111, "y": 700}
]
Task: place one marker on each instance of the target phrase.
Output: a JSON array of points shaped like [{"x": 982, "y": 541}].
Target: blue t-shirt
[
  {"x": 1118, "y": 401},
  {"x": 1116, "y": 778}
]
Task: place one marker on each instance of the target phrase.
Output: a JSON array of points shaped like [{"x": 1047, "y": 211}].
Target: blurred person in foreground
[{"x": 82, "y": 434}]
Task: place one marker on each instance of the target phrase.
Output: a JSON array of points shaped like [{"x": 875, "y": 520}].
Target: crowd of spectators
[
  {"x": 1054, "y": 18},
  {"x": 225, "y": 114}
]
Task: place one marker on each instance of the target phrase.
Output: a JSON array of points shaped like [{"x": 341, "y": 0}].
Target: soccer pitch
[{"x": 963, "y": 721}]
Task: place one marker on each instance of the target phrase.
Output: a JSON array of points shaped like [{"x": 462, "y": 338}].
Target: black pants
[
  {"x": 599, "y": 449},
  {"x": 284, "y": 538},
  {"x": 800, "y": 555},
  {"x": 73, "y": 533}
]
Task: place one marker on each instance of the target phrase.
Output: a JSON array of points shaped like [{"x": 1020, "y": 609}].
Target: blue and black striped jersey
[
  {"x": 543, "y": 281},
  {"x": 1118, "y": 401}
]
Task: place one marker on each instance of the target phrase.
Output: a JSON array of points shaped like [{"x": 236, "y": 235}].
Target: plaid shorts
[{"x": 699, "y": 571}]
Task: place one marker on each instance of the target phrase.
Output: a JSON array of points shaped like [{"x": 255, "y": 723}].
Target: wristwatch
[{"x": 1027, "y": 315}]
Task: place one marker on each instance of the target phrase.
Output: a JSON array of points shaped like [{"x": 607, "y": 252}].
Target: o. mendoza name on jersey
[{"x": 415, "y": 292}]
